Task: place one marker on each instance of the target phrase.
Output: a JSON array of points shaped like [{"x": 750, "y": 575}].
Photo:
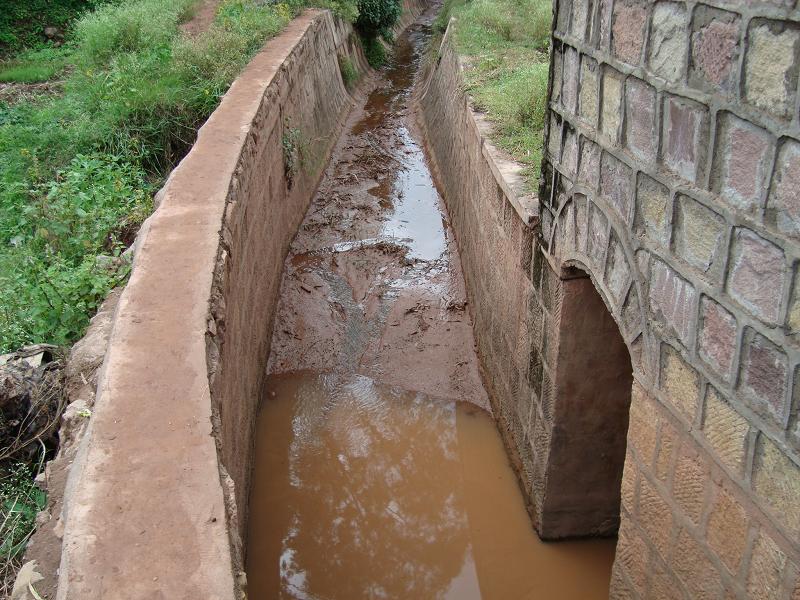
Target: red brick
[
  {"x": 757, "y": 274},
  {"x": 765, "y": 373},
  {"x": 717, "y": 339},
  {"x": 783, "y": 205},
  {"x": 742, "y": 156},
  {"x": 640, "y": 119},
  {"x": 684, "y": 132},
  {"x": 715, "y": 49},
  {"x": 627, "y": 30}
]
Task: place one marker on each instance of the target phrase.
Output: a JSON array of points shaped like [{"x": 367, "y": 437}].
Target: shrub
[
  {"x": 348, "y": 70},
  {"x": 377, "y": 16},
  {"x": 374, "y": 51}
]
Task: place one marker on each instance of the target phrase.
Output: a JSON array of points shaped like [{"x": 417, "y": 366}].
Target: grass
[
  {"x": 79, "y": 170},
  {"x": 504, "y": 45}
]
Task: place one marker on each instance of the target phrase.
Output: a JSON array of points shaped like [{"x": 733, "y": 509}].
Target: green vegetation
[
  {"x": 22, "y": 23},
  {"x": 348, "y": 70},
  {"x": 79, "y": 169},
  {"x": 375, "y": 51},
  {"x": 504, "y": 45}
]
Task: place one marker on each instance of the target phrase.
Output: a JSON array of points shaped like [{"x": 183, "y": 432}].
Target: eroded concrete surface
[{"x": 379, "y": 471}]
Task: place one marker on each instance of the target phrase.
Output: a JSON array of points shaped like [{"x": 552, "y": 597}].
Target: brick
[
  {"x": 765, "y": 374},
  {"x": 590, "y": 87},
  {"x": 699, "y": 233},
  {"x": 589, "y": 169},
  {"x": 685, "y": 133},
  {"x": 783, "y": 204},
  {"x": 717, "y": 337},
  {"x": 715, "y": 50},
  {"x": 628, "y": 489},
  {"x": 569, "y": 160},
  {"x": 766, "y": 567},
  {"x": 655, "y": 516},
  {"x": 651, "y": 209},
  {"x": 642, "y": 424},
  {"x": 776, "y": 480},
  {"x": 631, "y": 556},
  {"x": 611, "y": 100},
  {"x": 628, "y": 24},
  {"x": 770, "y": 66},
  {"x": 672, "y": 300},
  {"x": 663, "y": 585},
  {"x": 616, "y": 186},
  {"x": 667, "y": 442},
  {"x": 554, "y": 138},
  {"x": 618, "y": 272},
  {"x": 598, "y": 234},
  {"x": 725, "y": 430},
  {"x": 640, "y": 119},
  {"x": 689, "y": 483},
  {"x": 793, "y": 318},
  {"x": 668, "y": 40},
  {"x": 558, "y": 76},
  {"x": 604, "y": 17},
  {"x": 695, "y": 569},
  {"x": 727, "y": 529},
  {"x": 569, "y": 90},
  {"x": 680, "y": 382},
  {"x": 742, "y": 156},
  {"x": 757, "y": 274}
]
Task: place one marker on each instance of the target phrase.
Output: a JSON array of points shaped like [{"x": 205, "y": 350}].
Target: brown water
[
  {"x": 379, "y": 472},
  {"x": 366, "y": 491}
]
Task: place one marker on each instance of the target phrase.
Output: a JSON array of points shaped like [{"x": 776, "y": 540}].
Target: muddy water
[{"x": 379, "y": 472}]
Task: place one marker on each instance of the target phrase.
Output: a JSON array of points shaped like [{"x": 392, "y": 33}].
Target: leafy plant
[
  {"x": 348, "y": 70},
  {"x": 374, "y": 51},
  {"x": 20, "y": 501},
  {"x": 377, "y": 16}
]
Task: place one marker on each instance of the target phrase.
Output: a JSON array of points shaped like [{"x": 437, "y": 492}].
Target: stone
[
  {"x": 776, "y": 480},
  {"x": 651, "y": 209},
  {"x": 618, "y": 272},
  {"x": 632, "y": 555},
  {"x": 680, "y": 382},
  {"x": 640, "y": 119},
  {"x": 689, "y": 484},
  {"x": 693, "y": 566},
  {"x": 766, "y": 568},
  {"x": 554, "y": 138},
  {"x": 725, "y": 430},
  {"x": 765, "y": 374},
  {"x": 668, "y": 40},
  {"x": 663, "y": 585},
  {"x": 699, "y": 233},
  {"x": 628, "y": 25},
  {"x": 715, "y": 49},
  {"x": 667, "y": 442},
  {"x": 727, "y": 529},
  {"x": 589, "y": 169},
  {"x": 590, "y": 86},
  {"x": 628, "y": 489},
  {"x": 611, "y": 100},
  {"x": 717, "y": 337},
  {"x": 558, "y": 76},
  {"x": 757, "y": 274},
  {"x": 783, "y": 204},
  {"x": 655, "y": 516},
  {"x": 562, "y": 18},
  {"x": 616, "y": 185},
  {"x": 604, "y": 16},
  {"x": 742, "y": 156},
  {"x": 685, "y": 138},
  {"x": 598, "y": 234},
  {"x": 642, "y": 425},
  {"x": 569, "y": 160},
  {"x": 793, "y": 318},
  {"x": 569, "y": 90},
  {"x": 672, "y": 299},
  {"x": 580, "y": 10},
  {"x": 770, "y": 66}
]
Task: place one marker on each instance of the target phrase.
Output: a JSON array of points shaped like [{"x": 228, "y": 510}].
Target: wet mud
[{"x": 379, "y": 472}]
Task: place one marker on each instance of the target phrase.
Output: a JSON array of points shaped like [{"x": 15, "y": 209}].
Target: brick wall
[{"x": 673, "y": 180}]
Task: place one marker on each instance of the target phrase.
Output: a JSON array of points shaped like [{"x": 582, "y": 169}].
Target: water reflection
[{"x": 366, "y": 491}]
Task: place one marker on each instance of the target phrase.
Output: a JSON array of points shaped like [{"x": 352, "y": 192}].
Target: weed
[
  {"x": 348, "y": 70},
  {"x": 292, "y": 155},
  {"x": 505, "y": 47}
]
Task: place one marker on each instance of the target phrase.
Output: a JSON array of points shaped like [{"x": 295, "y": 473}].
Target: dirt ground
[{"x": 373, "y": 284}]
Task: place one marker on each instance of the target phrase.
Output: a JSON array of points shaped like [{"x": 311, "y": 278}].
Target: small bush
[
  {"x": 348, "y": 70},
  {"x": 374, "y": 51},
  {"x": 376, "y": 17},
  {"x": 20, "y": 501}
]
